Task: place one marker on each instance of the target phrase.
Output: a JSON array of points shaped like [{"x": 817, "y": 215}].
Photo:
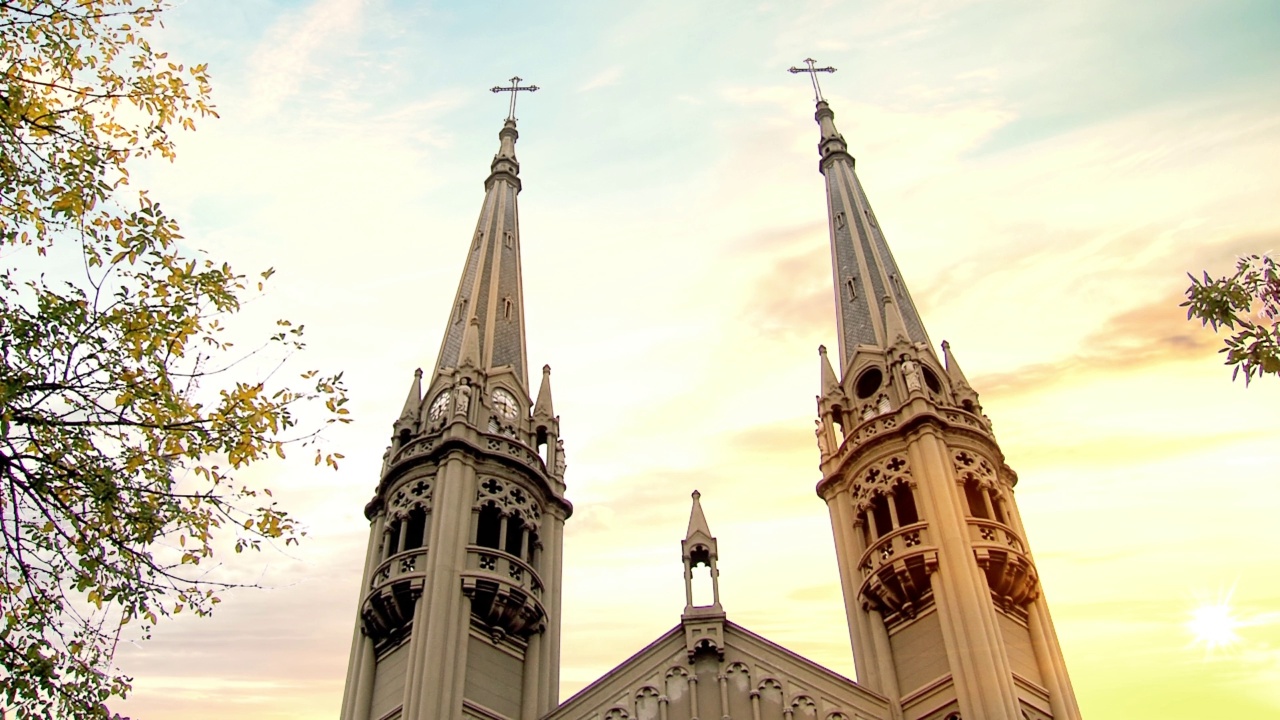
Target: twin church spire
[
  {"x": 460, "y": 600},
  {"x": 945, "y": 610},
  {"x": 459, "y": 612}
]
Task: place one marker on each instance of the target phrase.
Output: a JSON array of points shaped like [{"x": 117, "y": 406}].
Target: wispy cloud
[
  {"x": 289, "y": 52},
  {"x": 604, "y": 78}
]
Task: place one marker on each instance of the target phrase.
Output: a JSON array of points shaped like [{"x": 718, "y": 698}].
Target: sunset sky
[{"x": 1046, "y": 174}]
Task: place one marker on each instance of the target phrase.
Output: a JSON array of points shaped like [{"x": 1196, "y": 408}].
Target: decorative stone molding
[
  {"x": 896, "y": 571},
  {"x": 393, "y": 590},
  {"x": 879, "y": 479},
  {"x": 416, "y": 493},
  {"x": 970, "y": 465},
  {"x": 1000, "y": 553},
  {"x": 510, "y": 499}
]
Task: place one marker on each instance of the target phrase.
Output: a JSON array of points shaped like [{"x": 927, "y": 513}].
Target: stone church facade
[{"x": 459, "y": 603}]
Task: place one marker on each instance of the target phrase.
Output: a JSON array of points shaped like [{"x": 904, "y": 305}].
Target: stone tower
[
  {"x": 459, "y": 613},
  {"x": 943, "y": 601}
]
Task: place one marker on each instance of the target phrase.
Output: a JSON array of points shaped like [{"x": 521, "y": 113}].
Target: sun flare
[{"x": 1213, "y": 625}]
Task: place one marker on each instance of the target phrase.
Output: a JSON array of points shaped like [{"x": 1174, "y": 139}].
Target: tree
[
  {"x": 1248, "y": 304},
  {"x": 124, "y": 416}
]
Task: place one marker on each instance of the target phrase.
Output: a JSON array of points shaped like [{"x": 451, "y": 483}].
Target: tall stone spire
[
  {"x": 864, "y": 270},
  {"x": 928, "y": 537},
  {"x": 489, "y": 292},
  {"x": 462, "y": 579}
]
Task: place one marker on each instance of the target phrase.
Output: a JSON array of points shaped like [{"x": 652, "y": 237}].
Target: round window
[{"x": 868, "y": 383}]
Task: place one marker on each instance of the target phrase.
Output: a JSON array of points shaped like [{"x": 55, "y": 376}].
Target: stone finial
[
  {"x": 413, "y": 401},
  {"x": 828, "y": 375},
  {"x": 698, "y": 521},
  {"x": 542, "y": 408}
]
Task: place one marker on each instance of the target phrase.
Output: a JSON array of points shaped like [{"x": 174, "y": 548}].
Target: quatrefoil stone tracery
[
  {"x": 880, "y": 478},
  {"x": 417, "y": 494},
  {"x": 513, "y": 500},
  {"x": 970, "y": 466}
]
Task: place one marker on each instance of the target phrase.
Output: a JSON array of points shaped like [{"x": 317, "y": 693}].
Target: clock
[
  {"x": 504, "y": 404},
  {"x": 439, "y": 406}
]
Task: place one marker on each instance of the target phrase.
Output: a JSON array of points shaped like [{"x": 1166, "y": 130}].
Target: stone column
[
  {"x": 1044, "y": 640},
  {"x": 848, "y": 552},
  {"x": 360, "y": 664},
  {"x": 983, "y": 679},
  {"x": 552, "y": 572},
  {"x": 439, "y": 641},
  {"x": 531, "y": 698},
  {"x": 693, "y": 696}
]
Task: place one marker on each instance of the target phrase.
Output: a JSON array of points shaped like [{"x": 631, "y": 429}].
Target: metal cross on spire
[
  {"x": 515, "y": 88},
  {"x": 813, "y": 75}
]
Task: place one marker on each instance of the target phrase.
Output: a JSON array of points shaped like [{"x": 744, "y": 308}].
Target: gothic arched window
[
  {"x": 904, "y": 502},
  {"x": 489, "y": 527},
  {"x": 973, "y": 495},
  {"x": 416, "y": 529},
  {"x": 881, "y": 516}
]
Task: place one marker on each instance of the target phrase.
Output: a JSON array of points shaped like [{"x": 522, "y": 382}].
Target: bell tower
[
  {"x": 459, "y": 609},
  {"x": 944, "y": 604}
]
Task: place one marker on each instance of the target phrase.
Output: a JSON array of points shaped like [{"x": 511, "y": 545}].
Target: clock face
[
  {"x": 504, "y": 404},
  {"x": 439, "y": 405}
]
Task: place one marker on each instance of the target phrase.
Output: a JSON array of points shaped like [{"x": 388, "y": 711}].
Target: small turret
[
  {"x": 703, "y": 624},
  {"x": 966, "y": 398},
  {"x": 829, "y": 381},
  {"x": 407, "y": 424},
  {"x": 542, "y": 408},
  {"x": 833, "y": 408},
  {"x": 699, "y": 548}
]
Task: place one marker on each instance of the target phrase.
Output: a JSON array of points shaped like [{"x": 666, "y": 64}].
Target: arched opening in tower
[
  {"x": 700, "y": 567},
  {"x": 489, "y": 527},
  {"x": 416, "y": 529}
]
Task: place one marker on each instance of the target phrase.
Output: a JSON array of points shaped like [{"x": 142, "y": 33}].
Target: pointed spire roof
[
  {"x": 895, "y": 326},
  {"x": 828, "y": 375},
  {"x": 953, "y": 368},
  {"x": 865, "y": 271},
  {"x": 487, "y": 321},
  {"x": 697, "y": 521},
  {"x": 542, "y": 407},
  {"x": 413, "y": 402}
]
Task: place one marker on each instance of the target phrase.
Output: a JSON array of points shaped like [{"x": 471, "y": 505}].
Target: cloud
[
  {"x": 771, "y": 439},
  {"x": 791, "y": 296},
  {"x": 287, "y": 55},
  {"x": 1149, "y": 334},
  {"x": 604, "y": 78},
  {"x": 1134, "y": 448}
]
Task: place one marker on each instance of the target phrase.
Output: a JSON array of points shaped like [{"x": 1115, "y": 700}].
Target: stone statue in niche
[
  {"x": 824, "y": 441},
  {"x": 560, "y": 462},
  {"x": 910, "y": 374},
  {"x": 462, "y": 401}
]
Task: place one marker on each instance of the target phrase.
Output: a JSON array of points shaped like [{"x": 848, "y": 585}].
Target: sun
[{"x": 1213, "y": 625}]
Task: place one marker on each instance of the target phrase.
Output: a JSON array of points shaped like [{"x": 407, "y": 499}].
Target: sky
[{"x": 1046, "y": 174}]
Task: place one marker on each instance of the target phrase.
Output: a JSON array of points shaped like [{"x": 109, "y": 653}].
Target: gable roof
[{"x": 750, "y": 664}]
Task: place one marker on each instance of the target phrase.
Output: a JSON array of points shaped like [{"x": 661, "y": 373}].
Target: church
[{"x": 460, "y": 599}]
